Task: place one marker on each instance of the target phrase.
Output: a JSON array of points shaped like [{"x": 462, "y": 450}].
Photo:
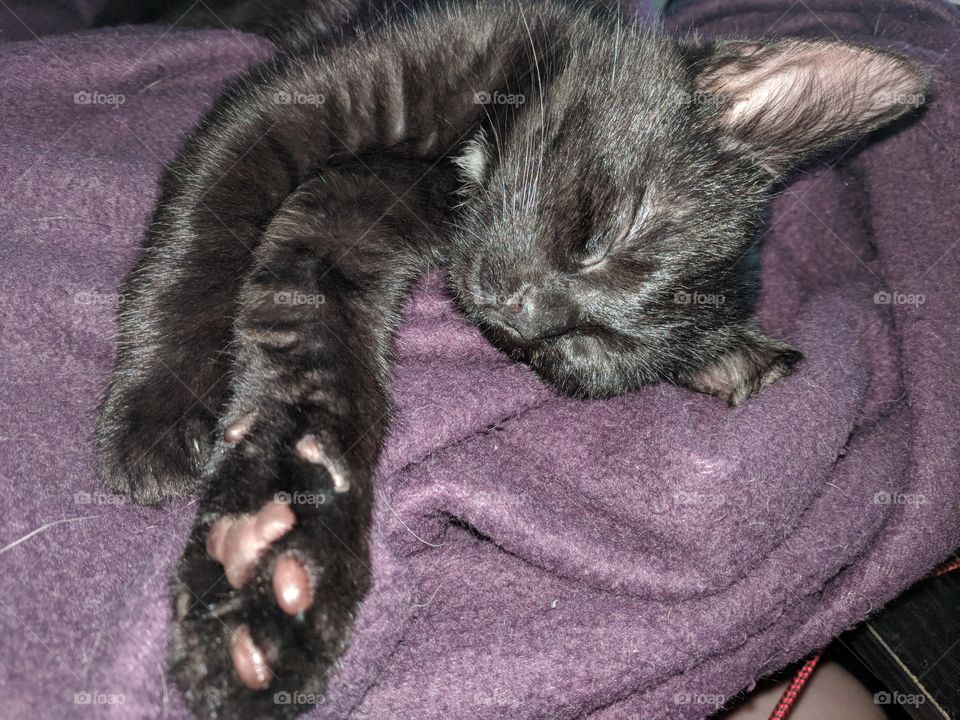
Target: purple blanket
[{"x": 534, "y": 557}]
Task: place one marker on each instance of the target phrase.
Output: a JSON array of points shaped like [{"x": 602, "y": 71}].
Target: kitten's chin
[
  {"x": 509, "y": 342},
  {"x": 582, "y": 367}
]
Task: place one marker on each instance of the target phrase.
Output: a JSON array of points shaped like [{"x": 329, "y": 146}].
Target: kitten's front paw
[
  {"x": 756, "y": 362},
  {"x": 265, "y": 593},
  {"x": 152, "y": 439}
]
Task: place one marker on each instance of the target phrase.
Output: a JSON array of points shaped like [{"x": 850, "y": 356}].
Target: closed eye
[{"x": 596, "y": 255}]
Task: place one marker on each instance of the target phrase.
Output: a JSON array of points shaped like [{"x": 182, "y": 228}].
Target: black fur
[{"x": 593, "y": 189}]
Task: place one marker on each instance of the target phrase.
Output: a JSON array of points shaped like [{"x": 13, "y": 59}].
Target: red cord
[
  {"x": 948, "y": 566},
  {"x": 792, "y": 692}
]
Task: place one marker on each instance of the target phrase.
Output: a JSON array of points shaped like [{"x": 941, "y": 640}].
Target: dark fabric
[{"x": 647, "y": 556}]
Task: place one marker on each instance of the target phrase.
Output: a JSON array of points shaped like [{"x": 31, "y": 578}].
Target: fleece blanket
[{"x": 648, "y": 556}]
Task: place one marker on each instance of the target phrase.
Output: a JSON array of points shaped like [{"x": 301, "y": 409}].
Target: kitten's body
[
  {"x": 282, "y": 20},
  {"x": 583, "y": 180}
]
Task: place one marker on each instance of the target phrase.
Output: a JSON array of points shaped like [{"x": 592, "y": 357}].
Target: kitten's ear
[
  {"x": 783, "y": 101},
  {"x": 756, "y": 362}
]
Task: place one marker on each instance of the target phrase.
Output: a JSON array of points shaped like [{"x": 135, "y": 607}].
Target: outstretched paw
[
  {"x": 153, "y": 440},
  {"x": 265, "y": 595}
]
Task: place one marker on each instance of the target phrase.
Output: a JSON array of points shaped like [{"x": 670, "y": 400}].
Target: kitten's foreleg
[
  {"x": 156, "y": 421},
  {"x": 265, "y": 594}
]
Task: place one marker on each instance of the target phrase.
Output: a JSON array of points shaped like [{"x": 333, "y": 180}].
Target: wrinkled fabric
[{"x": 533, "y": 556}]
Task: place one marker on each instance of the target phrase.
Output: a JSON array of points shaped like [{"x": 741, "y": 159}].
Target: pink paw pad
[
  {"x": 248, "y": 660},
  {"x": 238, "y": 542},
  {"x": 237, "y": 430},
  {"x": 291, "y": 585}
]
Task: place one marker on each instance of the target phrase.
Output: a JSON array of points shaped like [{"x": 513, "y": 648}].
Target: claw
[{"x": 310, "y": 449}]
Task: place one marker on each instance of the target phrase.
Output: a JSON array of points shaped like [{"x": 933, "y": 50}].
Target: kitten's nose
[
  {"x": 517, "y": 311},
  {"x": 532, "y": 314}
]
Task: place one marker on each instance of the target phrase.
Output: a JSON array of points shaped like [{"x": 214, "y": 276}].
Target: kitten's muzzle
[{"x": 532, "y": 314}]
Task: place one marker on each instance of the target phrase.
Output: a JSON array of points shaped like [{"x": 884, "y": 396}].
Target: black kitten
[{"x": 593, "y": 188}]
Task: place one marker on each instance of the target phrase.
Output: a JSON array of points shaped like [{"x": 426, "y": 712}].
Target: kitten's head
[{"x": 608, "y": 233}]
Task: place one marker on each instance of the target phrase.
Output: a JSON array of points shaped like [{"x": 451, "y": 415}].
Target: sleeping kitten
[{"x": 581, "y": 179}]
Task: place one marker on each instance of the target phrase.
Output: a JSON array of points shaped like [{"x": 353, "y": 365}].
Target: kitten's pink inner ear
[{"x": 787, "y": 99}]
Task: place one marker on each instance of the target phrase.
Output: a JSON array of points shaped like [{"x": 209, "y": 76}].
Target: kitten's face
[
  {"x": 608, "y": 238},
  {"x": 606, "y": 242}
]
